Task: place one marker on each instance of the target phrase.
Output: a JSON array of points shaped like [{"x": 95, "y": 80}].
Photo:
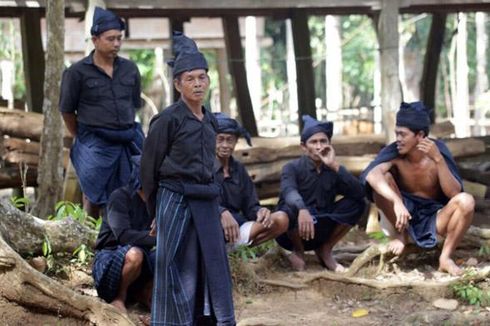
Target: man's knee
[
  {"x": 134, "y": 257},
  {"x": 465, "y": 202},
  {"x": 281, "y": 222}
]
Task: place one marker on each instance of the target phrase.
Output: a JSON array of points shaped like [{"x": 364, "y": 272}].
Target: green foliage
[
  {"x": 82, "y": 255},
  {"x": 48, "y": 254},
  {"x": 20, "y": 202},
  {"x": 484, "y": 251},
  {"x": 246, "y": 253},
  {"x": 379, "y": 236},
  {"x": 468, "y": 291},
  {"x": 63, "y": 209},
  {"x": 145, "y": 60}
]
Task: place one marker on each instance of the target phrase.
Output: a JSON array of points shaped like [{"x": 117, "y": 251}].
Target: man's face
[
  {"x": 406, "y": 140},
  {"x": 108, "y": 43},
  {"x": 193, "y": 85},
  {"x": 316, "y": 145},
  {"x": 225, "y": 145}
]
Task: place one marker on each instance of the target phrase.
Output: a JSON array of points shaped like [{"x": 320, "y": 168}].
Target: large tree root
[
  {"x": 26, "y": 233},
  {"x": 21, "y": 284}
]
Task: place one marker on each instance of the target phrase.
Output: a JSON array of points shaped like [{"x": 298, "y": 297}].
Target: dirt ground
[{"x": 321, "y": 302}]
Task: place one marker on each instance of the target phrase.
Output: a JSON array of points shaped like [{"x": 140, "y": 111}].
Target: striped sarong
[{"x": 181, "y": 271}]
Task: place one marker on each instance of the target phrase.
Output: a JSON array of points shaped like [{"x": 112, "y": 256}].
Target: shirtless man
[{"x": 415, "y": 184}]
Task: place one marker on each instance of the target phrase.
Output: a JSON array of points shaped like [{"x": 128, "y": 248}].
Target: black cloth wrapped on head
[
  {"x": 227, "y": 125},
  {"x": 313, "y": 126},
  {"x": 414, "y": 116},
  {"x": 187, "y": 55},
  {"x": 105, "y": 20}
]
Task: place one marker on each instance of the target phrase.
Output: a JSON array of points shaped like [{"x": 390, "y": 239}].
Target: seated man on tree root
[
  {"x": 415, "y": 184},
  {"x": 309, "y": 186},
  {"x": 244, "y": 221},
  {"x": 124, "y": 261}
]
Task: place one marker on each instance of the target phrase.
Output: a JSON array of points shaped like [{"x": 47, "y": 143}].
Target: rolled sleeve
[
  {"x": 70, "y": 92},
  {"x": 289, "y": 188}
]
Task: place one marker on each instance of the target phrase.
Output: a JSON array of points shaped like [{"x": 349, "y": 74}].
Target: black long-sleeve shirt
[
  {"x": 99, "y": 100},
  {"x": 126, "y": 222},
  {"x": 302, "y": 186},
  {"x": 238, "y": 194},
  {"x": 179, "y": 146}
]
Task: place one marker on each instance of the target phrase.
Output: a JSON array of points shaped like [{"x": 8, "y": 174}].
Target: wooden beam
[
  {"x": 279, "y": 9},
  {"x": 431, "y": 61},
  {"x": 33, "y": 57},
  {"x": 304, "y": 65},
  {"x": 238, "y": 73}
]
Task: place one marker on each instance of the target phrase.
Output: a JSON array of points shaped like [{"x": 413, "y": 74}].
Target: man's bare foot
[
  {"x": 396, "y": 246},
  {"x": 297, "y": 262},
  {"x": 145, "y": 319},
  {"x": 119, "y": 304},
  {"x": 328, "y": 261},
  {"x": 448, "y": 265}
]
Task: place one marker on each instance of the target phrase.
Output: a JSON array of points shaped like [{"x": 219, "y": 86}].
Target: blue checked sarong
[
  {"x": 191, "y": 266},
  {"x": 107, "y": 270},
  {"x": 102, "y": 159}
]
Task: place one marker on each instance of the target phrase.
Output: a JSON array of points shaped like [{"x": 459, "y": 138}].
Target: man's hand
[
  {"x": 402, "y": 216},
  {"x": 327, "y": 155},
  {"x": 430, "y": 148},
  {"x": 230, "y": 227},
  {"x": 264, "y": 217},
  {"x": 306, "y": 226},
  {"x": 153, "y": 228}
]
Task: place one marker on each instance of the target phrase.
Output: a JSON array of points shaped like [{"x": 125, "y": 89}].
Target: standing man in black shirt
[
  {"x": 309, "y": 186},
  {"x": 124, "y": 260},
  {"x": 244, "y": 221},
  {"x": 98, "y": 101},
  {"x": 192, "y": 276}
]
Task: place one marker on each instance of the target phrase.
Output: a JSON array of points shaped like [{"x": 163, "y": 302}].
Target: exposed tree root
[
  {"x": 26, "y": 233},
  {"x": 22, "y": 284}
]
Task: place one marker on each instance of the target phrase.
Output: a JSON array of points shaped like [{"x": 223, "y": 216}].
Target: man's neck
[
  {"x": 225, "y": 164},
  {"x": 415, "y": 156},
  {"x": 195, "y": 107},
  {"x": 103, "y": 61}
]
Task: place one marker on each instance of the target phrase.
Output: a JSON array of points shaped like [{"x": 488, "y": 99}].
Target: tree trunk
[
  {"x": 461, "y": 109},
  {"x": 50, "y": 171},
  {"x": 481, "y": 69},
  {"x": 389, "y": 60},
  {"x": 333, "y": 67},
  {"x": 252, "y": 62},
  {"x": 26, "y": 233}
]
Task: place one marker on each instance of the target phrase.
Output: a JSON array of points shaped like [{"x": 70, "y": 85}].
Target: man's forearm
[
  {"x": 70, "y": 120},
  {"x": 379, "y": 184},
  {"x": 449, "y": 184}
]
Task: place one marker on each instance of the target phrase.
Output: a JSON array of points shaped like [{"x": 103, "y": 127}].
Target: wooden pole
[
  {"x": 304, "y": 64},
  {"x": 33, "y": 57},
  {"x": 431, "y": 61},
  {"x": 238, "y": 74}
]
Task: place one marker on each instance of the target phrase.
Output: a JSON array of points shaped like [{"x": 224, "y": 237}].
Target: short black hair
[{"x": 424, "y": 130}]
